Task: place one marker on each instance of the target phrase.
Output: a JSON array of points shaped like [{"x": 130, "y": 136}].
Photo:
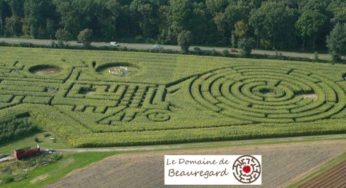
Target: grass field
[
  {"x": 50, "y": 173},
  {"x": 40, "y": 138},
  {"x": 168, "y": 98}
]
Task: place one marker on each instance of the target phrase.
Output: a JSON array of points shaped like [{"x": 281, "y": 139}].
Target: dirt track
[{"x": 282, "y": 163}]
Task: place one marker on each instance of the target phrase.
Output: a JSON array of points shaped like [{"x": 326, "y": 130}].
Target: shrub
[
  {"x": 62, "y": 36},
  {"x": 225, "y": 53},
  {"x": 85, "y": 37},
  {"x": 197, "y": 50},
  {"x": 26, "y": 44},
  {"x": 7, "y": 179},
  {"x": 184, "y": 40},
  {"x": 246, "y": 45}
]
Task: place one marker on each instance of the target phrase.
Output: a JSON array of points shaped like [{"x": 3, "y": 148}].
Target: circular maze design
[{"x": 268, "y": 94}]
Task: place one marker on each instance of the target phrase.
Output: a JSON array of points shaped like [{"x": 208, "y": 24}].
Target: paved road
[{"x": 170, "y": 47}]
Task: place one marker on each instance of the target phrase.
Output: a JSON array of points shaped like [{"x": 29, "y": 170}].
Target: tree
[
  {"x": 62, "y": 36},
  {"x": 51, "y": 27},
  {"x": 4, "y": 12},
  {"x": 146, "y": 15},
  {"x": 336, "y": 42},
  {"x": 13, "y": 26},
  {"x": 16, "y": 7},
  {"x": 85, "y": 37},
  {"x": 200, "y": 25},
  {"x": 246, "y": 45},
  {"x": 226, "y": 15},
  {"x": 240, "y": 29},
  {"x": 180, "y": 15},
  {"x": 40, "y": 16},
  {"x": 216, "y": 5},
  {"x": 338, "y": 9},
  {"x": 70, "y": 17},
  {"x": 273, "y": 23},
  {"x": 184, "y": 40},
  {"x": 309, "y": 25},
  {"x": 220, "y": 21},
  {"x": 109, "y": 19}
]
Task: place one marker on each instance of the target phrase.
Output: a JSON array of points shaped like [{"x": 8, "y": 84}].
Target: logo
[
  {"x": 246, "y": 169},
  {"x": 213, "y": 169}
]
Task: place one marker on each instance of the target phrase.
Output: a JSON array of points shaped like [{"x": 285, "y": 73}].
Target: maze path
[
  {"x": 255, "y": 93},
  {"x": 268, "y": 95},
  {"x": 115, "y": 101}
]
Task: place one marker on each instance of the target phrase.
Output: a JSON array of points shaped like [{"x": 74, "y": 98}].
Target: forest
[{"x": 268, "y": 24}]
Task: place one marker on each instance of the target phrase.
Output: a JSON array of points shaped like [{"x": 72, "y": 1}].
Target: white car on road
[{"x": 115, "y": 44}]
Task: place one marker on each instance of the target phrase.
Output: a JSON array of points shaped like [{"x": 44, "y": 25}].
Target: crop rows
[
  {"x": 169, "y": 98},
  {"x": 268, "y": 95}
]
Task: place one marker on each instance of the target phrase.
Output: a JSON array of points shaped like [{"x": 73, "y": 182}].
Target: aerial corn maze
[{"x": 105, "y": 98}]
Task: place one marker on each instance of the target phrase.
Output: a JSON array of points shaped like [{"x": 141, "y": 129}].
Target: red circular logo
[{"x": 246, "y": 169}]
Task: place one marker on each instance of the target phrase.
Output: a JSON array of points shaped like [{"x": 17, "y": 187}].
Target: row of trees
[{"x": 268, "y": 24}]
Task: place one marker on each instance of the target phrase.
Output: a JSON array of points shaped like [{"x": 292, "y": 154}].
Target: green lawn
[
  {"x": 44, "y": 142},
  {"x": 78, "y": 96},
  {"x": 48, "y": 174}
]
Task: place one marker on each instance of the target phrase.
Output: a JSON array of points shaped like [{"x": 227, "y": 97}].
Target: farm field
[
  {"x": 334, "y": 177},
  {"x": 168, "y": 98},
  {"x": 283, "y": 163},
  {"x": 330, "y": 174}
]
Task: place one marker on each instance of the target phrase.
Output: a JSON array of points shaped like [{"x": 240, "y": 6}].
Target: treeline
[{"x": 270, "y": 24}]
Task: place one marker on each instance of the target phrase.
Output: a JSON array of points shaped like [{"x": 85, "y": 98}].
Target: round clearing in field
[
  {"x": 117, "y": 69},
  {"x": 268, "y": 95},
  {"x": 45, "y": 69}
]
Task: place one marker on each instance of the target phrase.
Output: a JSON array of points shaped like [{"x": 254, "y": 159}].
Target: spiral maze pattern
[{"x": 268, "y": 94}]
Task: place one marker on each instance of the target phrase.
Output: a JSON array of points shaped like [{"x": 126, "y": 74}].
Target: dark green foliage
[
  {"x": 7, "y": 179},
  {"x": 40, "y": 18},
  {"x": 184, "y": 40},
  {"x": 85, "y": 37},
  {"x": 310, "y": 25},
  {"x": 246, "y": 45},
  {"x": 337, "y": 42},
  {"x": 13, "y": 26},
  {"x": 273, "y": 24},
  {"x": 62, "y": 36},
  {"x": 15, "y": 128}
]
